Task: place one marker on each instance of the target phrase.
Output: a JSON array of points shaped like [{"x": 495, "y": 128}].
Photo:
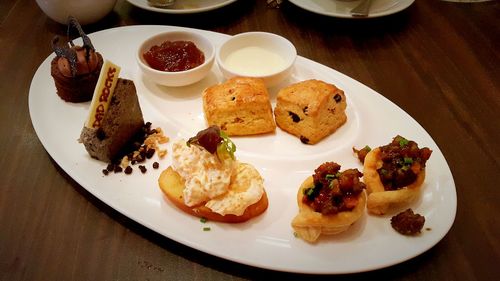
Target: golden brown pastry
[
  {"x": 310, "y": 110},
  {"x": 329, "y": 202},
  {"x": 239, "y": 106},
  {"x": 394, "y": 175}
]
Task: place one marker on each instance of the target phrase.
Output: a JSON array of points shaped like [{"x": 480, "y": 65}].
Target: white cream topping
[
  {"x": 227, "y": 188},
  {"x": 247, "y": 188},
  {"x": 204, "y": 175}
]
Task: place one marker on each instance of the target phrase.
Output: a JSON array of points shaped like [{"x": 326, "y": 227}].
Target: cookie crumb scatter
[{"x": 142, "y": 147}]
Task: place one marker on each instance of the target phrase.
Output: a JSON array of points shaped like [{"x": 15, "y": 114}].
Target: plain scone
[
  {"x": 239, "y": 106},
  {"x": 310, "y": 110}
]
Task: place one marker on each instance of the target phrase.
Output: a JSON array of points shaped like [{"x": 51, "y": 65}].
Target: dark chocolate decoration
[{"x": 68, "y": 52}]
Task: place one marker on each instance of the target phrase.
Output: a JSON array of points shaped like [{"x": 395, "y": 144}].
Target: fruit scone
[
  {"x": 330, "y": 201},
  {"x": 205, "y": 179},
  {"x": 393, "y": 174},
  {"x": 310, "y": 110}
]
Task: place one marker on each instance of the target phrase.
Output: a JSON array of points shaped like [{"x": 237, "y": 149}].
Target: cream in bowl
[
  {"x": 176, "y": 58},
  {"x": 257, "y": 54}
]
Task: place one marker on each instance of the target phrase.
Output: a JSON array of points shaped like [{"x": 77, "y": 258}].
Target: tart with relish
[
  {"x": 394, "y": 174},
  {"x": 330, "y": 201}
]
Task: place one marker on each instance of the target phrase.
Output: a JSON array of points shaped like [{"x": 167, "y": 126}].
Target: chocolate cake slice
[{"x": 122, "y": 121}]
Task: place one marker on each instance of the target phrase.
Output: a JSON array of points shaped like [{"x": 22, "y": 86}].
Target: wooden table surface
[{"x": 438, "y": 61}]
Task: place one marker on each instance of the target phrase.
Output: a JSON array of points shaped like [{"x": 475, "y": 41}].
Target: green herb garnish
[
  {"x": 408, "y": 160},
  {"x": 309, "y": 191},
  {"x": 403, "y": 142},
  {"x": 227, "y": 144},
  {"x": 215, "y": 141},
  {"x": 330, "y": 176}
]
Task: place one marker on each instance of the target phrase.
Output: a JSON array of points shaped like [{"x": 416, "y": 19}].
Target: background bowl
[
  {"x": 180, "y": 78},
  {"x": 257, "y": 54},
  {"x": 85, "y": 11}
]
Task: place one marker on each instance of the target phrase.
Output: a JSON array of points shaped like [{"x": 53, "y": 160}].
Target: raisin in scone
[
  {"x": 239, "y": 106},
  {"x": 310, "y": 110}
]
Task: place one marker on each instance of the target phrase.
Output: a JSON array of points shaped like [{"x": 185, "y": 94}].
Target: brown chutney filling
[
  {"x": 333, "y": 191},
  {"x": 402, "y": 162}
]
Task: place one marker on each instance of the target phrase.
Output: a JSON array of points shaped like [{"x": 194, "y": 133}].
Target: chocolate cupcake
[{"x": 75, "y": 69}]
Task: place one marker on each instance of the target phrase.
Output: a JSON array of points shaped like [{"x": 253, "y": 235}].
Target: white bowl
[
  {"x": 257, "y": 54},
  {"x": 179, "y": 78},
  {"x": 85, "y": 11}
]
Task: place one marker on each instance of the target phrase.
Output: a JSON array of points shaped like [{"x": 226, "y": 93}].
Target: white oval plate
[
  {"x": 184, "y": 6},
  {"x": 284, "y": 162},
  {"x": 341, "y": 9}
]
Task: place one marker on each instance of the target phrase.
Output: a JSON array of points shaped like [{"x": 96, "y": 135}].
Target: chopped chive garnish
[
  {"x": 203, "y": 220},
  {"x": 206, "y": 229},
  {"x": 408, "y": 160},
  {"x": 310, "y": 191},
  {"x": 403, "y": 142},
  {"x": 330, "y": 176},
  {"x": 229, "y": 146}
]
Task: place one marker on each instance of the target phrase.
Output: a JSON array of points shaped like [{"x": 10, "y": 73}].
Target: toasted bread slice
[
  {"x": 172, "y": 185},
  {"x": 309, "y": 225},
  {"x": 381, "y": 201}
]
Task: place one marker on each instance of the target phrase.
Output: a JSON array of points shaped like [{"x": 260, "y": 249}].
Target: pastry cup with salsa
[
  {"x": 329, "y": 202},
  {"x": 394, "y": 175}
]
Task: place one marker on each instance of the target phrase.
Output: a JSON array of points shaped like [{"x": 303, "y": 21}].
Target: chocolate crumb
[
  {"x": 110, "y": 167},
  {"x": 149, "y": 153}
]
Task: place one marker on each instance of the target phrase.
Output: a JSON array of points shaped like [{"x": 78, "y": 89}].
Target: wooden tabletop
[{"x": 438, "y": 61}]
